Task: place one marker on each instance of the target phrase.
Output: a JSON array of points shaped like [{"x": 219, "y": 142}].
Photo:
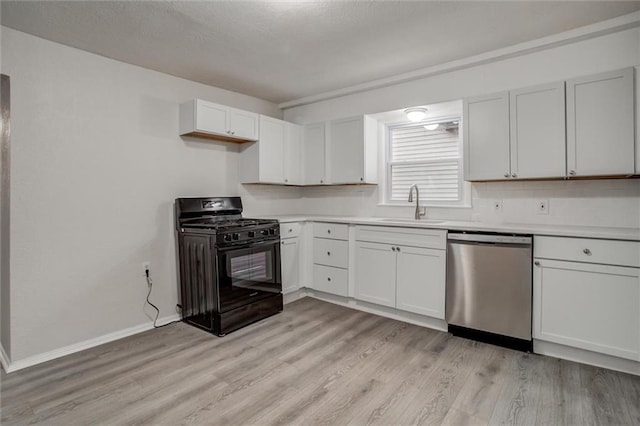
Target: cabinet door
[
  {"x": 538, "y": 132},
  {"x": 421, "y": 281},
  {"x": 243, "y": 124},
  {"x": 588, "y": 306},
  {"x": 314, "y": 154},
  {"x": 375, "y": 274},
  {"x": 290, "y": 264},
  {"x": 486, "y": 137},
  {"x": 600, "y": 124},
  {"x": 345, "y": 150},
  {"x": 293, "y": 154},
  {"x": 211, "y": 118},
  {"x": 271, "y": 160}
]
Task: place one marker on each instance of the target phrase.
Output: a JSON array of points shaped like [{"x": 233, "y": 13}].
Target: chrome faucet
[{"x": 418, "y": 212}]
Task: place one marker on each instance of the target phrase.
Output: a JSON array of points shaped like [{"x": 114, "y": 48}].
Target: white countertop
[{"x": 632, "y": 234}]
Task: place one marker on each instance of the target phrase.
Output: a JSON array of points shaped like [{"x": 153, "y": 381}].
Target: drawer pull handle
[
  {"x": 587, "y": 252},
  {"x": 536, "y": 263},
  {"x": 328, "y": 231},
  {"x": 328, "y": 253},
  {"x": 328, "y": 278}
]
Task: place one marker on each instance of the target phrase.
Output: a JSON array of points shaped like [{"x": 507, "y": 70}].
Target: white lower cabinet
[
  {"x": 290, "y": 257},
  {"x": 400, "y": 276},
  {"x": 376, "y": 273},
  {"x": 331, "y": 258},
  {"x": 420, "y": 281},
  {"x": 330, "y": 279},
  {"x": 590, "y": 306}
]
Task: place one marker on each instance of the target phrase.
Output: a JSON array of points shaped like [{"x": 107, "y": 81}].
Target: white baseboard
[
  {"x": 383, "y": 311},
  {"x": 4, "y": 359},
  {"x": 81, "y": 346},
  {"x": 586, "y": 357}
]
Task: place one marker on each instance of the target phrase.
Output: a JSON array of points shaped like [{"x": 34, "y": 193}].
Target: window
[{"x": 432, "y": 159}]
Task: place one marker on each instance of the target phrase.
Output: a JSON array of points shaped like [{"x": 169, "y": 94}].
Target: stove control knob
[
  {"x": 236, "y": 236},
  {"x": 251, "y": 234},
  {"x": 272, "y": 231},
  {"x": 264, "y": 232},
  {"x": 227, "y": 237}
]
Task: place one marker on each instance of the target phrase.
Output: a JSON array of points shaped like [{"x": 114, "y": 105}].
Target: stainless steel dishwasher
[{"x": 489, "y": 287}]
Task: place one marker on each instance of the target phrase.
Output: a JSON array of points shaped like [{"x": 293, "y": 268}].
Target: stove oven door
[{"x": 248, "y": 273}]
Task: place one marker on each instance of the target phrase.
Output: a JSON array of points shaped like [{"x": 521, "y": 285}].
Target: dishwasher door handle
[{"x": 484, "y": 238}]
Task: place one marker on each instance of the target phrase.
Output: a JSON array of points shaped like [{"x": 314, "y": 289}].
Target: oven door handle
[{"x": 248, "y": 245}]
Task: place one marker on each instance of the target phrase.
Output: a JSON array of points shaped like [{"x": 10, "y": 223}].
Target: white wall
[
  {"x": 96, "y": 163},
  {"x": 607, "y": 203}
]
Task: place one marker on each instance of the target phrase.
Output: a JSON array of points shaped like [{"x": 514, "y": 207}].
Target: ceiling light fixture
[
  {"x": 416, "y": 114},
  {"x": 432, "y": 126}
]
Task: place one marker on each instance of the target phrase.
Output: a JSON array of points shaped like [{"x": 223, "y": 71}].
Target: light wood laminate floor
[{"x": 315, "y": 363}]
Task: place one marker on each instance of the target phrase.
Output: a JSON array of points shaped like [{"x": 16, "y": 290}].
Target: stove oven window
[
  {"x": 247, "y": 274},
  {"x": 252, "y": 267}
]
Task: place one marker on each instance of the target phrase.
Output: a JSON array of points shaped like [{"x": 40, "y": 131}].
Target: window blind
[{"x": 428, "y": 158}]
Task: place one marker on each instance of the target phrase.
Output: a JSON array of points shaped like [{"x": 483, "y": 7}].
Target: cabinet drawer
[
  {"x": 414, "y": 237},
  {"x": 290, "y": 230},
  {"x": 331, "y": 252},
  {"x": 330, "y": 279},
  {"x": 337, "y": 231},
  {"x": 609, "y": 252}
]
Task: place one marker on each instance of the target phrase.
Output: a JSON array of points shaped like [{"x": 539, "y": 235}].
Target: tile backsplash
[{"x": 606, "y": 202}]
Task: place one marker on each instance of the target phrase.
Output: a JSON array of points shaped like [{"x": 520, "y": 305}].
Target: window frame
[{"x": 463, "y": 186}]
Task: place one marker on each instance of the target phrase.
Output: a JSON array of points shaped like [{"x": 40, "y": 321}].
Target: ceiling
[{"x": 287, "y": 50}]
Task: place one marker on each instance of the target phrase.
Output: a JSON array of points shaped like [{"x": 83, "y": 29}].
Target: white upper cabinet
[
  {"x": 275, "y": 158},
  {"x": 523, "y": 134},
  {"x": 341, "y": 151},
  {"x": 243, "y": 124},
  {"x": 293, "y": 138},
  {"x": 486, "y": 137},
  {"x": 314, "y": 154},
  {"x": 516, "y": 135},
  {"x": 538, "y": 132},
  {"x": 209, "y": 120},
  {"x": 351, "y": 150},
  {"x": 600, "y": 124}
]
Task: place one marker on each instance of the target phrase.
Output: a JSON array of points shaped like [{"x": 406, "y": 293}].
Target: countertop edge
[{"x": 626, "y": 234}]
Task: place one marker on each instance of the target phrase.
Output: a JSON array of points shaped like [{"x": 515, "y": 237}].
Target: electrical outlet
[
  {"x": 497, "y": 205},
  {"x": 543, "y": 207},
  {"x": 146, "y": 266}
]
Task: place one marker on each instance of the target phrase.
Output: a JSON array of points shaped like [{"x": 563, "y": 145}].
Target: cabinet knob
[
  {"x": 328, "y": 253},
  {"x": 506, "y": 175},
  {"x": 361, "y": 179},
  {"x": 572, "y": 172},
  {"x": 393, "y": 248},
  {"x": 328, "y": 231},
  {"x": 233, "y": 133},
  {"x": 282, "y": 243},
  {"x": 513, "y": 175},
  {"x": 536, "y": 263},
  {"x": 321, "y": 181},
  {"x": 587, "y": 252},
  {"x": 328, "y": 278},
  {"x": 398, "y": 248},
  {"x": 290, "y": 230},
  {"x": 286, "y": 180}
]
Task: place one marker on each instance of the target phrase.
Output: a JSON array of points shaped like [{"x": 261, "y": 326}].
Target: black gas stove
[{"x": 229, "y": 265}]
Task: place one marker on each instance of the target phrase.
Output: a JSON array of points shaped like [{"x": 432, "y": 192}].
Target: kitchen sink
[{"x": 403, "y": 220}]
